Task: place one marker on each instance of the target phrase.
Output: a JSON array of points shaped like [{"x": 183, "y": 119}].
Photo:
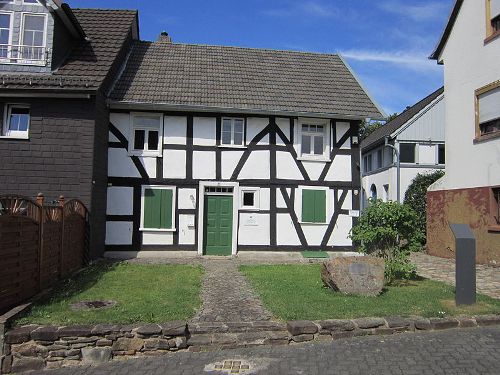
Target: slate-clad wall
[{"x": 192, "y": 155}]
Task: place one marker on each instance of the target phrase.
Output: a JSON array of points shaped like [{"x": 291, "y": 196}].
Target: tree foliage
[
  {"x": 415, "y": 196},
  {"x": 368, "y": 127}
]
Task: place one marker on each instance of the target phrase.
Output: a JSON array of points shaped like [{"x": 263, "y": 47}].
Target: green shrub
[
  {"x": 415, "y": 196},
  {"x": 388, "y": 230}
]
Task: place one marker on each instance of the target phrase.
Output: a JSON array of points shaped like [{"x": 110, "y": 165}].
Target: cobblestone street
[
  {"x": 487, "y": 277},
  {"x": 464, "y": 351}
]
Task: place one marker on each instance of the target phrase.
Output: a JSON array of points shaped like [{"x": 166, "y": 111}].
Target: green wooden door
[{"x": 218, "y": 224}]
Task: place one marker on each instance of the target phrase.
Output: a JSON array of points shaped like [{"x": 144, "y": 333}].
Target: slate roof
[
  {"x": 90, "y": 61},
  {"x": 399, "y": 121},
  {"x": 241, "y": 78}
]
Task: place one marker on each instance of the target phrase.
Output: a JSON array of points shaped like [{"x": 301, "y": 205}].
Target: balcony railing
[{"x": 25, "y": 55}]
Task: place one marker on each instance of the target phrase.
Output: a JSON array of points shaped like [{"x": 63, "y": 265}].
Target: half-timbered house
[{"x": 223, "y": 149}]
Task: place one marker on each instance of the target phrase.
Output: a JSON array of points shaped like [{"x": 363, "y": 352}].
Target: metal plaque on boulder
[{"x": 354, "y": 275}]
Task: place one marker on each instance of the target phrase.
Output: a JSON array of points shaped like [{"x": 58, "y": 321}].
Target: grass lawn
[
  {"x": 144, "y": 293},
  {"x": 296, "y": 292}
]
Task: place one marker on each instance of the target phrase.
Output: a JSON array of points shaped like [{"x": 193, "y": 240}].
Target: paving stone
[
  {"x": 443, "y": 323},
  {"x": 19, "y": 335},
  {"x": 150, "y": 329},
  {"x": 334, "y": 325},
  {"x": 487, "y": 320},
  {"x": 75, "y": 331},
  {"x": 48, "y": 333},
  {"x": 300, "y": 327},
  {"x": 369, "y": 322}
]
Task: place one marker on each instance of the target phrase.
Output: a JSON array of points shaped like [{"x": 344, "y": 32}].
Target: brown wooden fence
[{"x": 39, "y": 245}]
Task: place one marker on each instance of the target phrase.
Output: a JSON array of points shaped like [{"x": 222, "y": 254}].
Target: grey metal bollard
[{"x": 465, "y": 264}]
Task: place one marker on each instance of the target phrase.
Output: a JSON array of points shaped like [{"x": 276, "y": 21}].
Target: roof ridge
[
  {"x": 243, "y": 48},
  {"x": 108, "y": 10}
]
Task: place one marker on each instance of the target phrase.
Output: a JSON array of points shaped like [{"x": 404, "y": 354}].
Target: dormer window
[{"x": 33, "y": 37}]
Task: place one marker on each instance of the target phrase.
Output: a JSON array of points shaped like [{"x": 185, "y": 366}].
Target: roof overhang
[
  {"x": 64, "y": 12},
  {"x": 47, "y": 93},
  {"x": 436, "y": 55},
  {"x": 200, "y": 108}
]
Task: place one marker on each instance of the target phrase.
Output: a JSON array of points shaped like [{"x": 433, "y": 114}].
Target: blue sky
[{"x": 385, "y": 41}]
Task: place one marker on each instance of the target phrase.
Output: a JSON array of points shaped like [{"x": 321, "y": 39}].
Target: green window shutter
[
  {"x": 158, "y": 207},
  {"x": 313, "y": 206},
  {"x": 166, "y": 208}
]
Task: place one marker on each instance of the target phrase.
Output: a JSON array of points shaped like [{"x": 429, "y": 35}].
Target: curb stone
[{"x": 35, "y": 347}]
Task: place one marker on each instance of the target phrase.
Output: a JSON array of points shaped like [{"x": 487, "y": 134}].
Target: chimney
[{"x": 164, "y": 38}]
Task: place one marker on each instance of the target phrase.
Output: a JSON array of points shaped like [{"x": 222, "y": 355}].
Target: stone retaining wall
[{"x": 45, "y": 347}]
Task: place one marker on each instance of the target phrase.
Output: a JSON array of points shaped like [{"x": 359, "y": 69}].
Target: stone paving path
[
  {"x": 471, "y": 351},
  {"x": 487, "y": 277},
  {"x": 227, "y": 295}
]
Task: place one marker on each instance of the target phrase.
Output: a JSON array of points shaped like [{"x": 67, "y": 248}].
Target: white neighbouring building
[
  {"x": 469, "y": 193},
  {"x": 418, "y": 135},
  {"x": 224, "y": 149}
]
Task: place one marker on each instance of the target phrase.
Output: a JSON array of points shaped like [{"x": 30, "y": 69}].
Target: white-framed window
[
  {"x": 314, "y": 139},
  {"x": 146, "y": 134},
  {"x": 232, "y": 132},
  {"x": 250, "y": 198},
  {"x": 16, "y": 121},
  {"x": 6, "y": 19},
  {"x": 314, "y": 204},
  {"x": 158, "y": 208},
  {"x": 33, "y": 37}
]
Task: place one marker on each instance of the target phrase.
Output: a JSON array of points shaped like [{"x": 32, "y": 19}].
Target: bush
[
  {"x": 415, "y": 196},
  {"x": 388, "y": 230}
]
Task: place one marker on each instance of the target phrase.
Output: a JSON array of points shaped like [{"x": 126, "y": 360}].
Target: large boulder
[{"x": 360, "y": 275}]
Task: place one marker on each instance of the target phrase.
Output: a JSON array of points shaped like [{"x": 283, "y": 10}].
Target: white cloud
[
  {"x": 411, "y": 60},
  {"x": 310, "y": 8},
  {"x": 428, "y": 11}
]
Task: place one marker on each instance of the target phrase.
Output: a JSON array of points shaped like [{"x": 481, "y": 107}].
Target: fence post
[
  {"x": 61, "y": 251},
  {"x": 40, "y": 198}
]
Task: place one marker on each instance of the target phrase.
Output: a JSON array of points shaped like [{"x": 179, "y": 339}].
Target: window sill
[
  {"x": 152, "y": 154},
  {"x": 232, "y": 146},
  {"x": 321, "y": 159},
  {"x": 15, "y": 137},
  {"x": 492, "y": 37},
  {"x": 313, "y": 224},
  {"x": 157, "y": 230},
  {"x": 486, "y": 137},
  {"x": 494, "y": 228}
]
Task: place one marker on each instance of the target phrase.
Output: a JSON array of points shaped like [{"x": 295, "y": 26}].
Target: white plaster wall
[
  {"x": 427, "y": 125},
  {"x": 122, "y": 122},
  {"x": 253, "y": 229},
  {"x": 186, "y": 198},
  {"x": 119, "y": 233},
  {"x": 229, "y": 160},
  {"x": 203, "y": 165},
  {"x": 112, "y": 138},
  {"x": 257, "y": 166},
  {"x": 120, "y": 200},
  {"x": 340, "y": 170},
  {"x": 284, "y": 125},
  {"x": 187, "y": 229},
  {"x": 174, "y": 164},
  {"x": 175, "y": 130},
  {"x": 204, "y": 131},
  {"x": 157, "y": 238},
  {"x": 314, "y": 233},
  {"x": 280, "y": 201},
  {"x": 285, "y": 231},
  {"x": 340, "y": 233},
  {"x": 265, "y": 198},
  {"x": 314, "y": 169},
  {"x": 469, "y": 64},
  {"x": 149, "y": 164},
  {"x": 254, "y": 126},
  {"x": 287, "y": 168},
  {"x": 120, "y": 164},
  {"x": 342, "y": 128}
]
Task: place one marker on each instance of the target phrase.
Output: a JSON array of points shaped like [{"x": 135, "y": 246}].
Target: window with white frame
[
  {"x": 314, "y": 139},
  {"x": 16, "y": 121},
  {"x": 146, "y": 134},
  {"x": 250, "y": 198},
  {"x": 232, "y": 132},
  {"x": 33, "y": 37},
  {"x": 158, "y": 208},
  {"x": 5, "y": 34}
]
